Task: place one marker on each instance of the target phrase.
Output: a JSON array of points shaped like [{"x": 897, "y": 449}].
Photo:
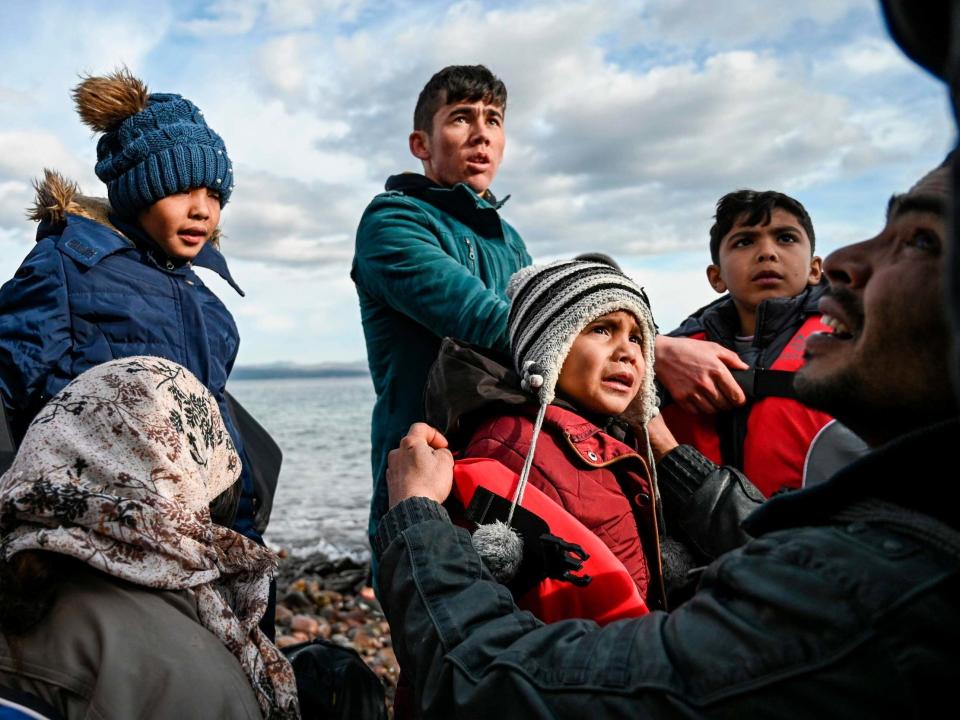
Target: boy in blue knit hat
[{"x": 107, "y": 280}]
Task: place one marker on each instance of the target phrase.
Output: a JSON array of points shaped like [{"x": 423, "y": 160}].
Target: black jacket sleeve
[{"x": 703, "y": 503}]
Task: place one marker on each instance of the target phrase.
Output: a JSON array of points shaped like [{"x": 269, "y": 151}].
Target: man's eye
[
  {"x": 925, "y": 240},
  {"x": 494, "y": 121},
  {"x": 788, "y": 238},
  {"x": 742, "y": 242},
  {"x": 636, "y": 339},
  {"x": 600, "y": 330}
]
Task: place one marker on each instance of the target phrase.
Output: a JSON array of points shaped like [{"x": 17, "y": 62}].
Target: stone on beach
[{"x": 329, "y": 599}]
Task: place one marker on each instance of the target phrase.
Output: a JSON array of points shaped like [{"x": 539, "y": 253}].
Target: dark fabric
[
  {"x": 777, "y": 320},
  {"x": 429, "y": 262},
  {"x": 465, "y": 382},
  {"x": 930, "y": 34},
  {"x": 8, "y": 448},
  {"x": 817, "y": 617},
  {"x": 334, "y": 683},
  {"x": 705, "y": 504},
  {"x": 263, "y": 457}
]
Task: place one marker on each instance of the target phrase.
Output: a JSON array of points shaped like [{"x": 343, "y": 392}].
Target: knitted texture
[
  {"x": 551, "y": 304},
  {"x": 162, "y": 150}
]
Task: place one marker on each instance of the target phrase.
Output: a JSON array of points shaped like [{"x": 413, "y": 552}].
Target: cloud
[
  {"x": 238, "y": 17},
  {"x": 734, "y": 23},
  {"x": 869, "y": 56},
  {"x": 297, "y": 313},
  {"x": 285, "y": 221},
  {"x": 632, "y": 154},
  {"x": 626, "y": 121},
  {"x": 24, "y": 154},
  {"x": 228, "y": 17}
]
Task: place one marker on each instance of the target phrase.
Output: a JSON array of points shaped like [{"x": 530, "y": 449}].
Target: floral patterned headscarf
[{"x": 118, "y": 470}]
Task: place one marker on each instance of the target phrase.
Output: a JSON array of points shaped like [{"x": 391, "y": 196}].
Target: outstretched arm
[{"x": 696, "y": 373}]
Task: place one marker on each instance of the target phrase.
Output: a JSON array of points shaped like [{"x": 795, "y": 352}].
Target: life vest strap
[{"x": 758, "y": 383}]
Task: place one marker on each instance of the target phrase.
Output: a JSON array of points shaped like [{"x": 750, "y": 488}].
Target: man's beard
[
  {"x": 839, "y": 394},
  {"x": 868, "y": 409}
]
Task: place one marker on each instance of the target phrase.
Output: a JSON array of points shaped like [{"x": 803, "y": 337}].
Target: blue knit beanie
[{"x": 153, "y": 145}]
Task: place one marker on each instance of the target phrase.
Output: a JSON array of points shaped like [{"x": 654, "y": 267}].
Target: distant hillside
[{"x": 292, "y": 370}]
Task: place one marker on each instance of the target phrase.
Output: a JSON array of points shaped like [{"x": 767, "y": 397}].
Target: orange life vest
[
  {"x": 611, "y": 593},
  {"x": 779, "y": 430}
]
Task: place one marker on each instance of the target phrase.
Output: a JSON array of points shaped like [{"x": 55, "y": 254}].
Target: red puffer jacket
[{"x": 599, "y": 480}]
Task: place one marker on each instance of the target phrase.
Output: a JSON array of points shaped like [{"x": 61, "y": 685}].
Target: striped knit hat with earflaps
[{"x": 550, "y": 306}]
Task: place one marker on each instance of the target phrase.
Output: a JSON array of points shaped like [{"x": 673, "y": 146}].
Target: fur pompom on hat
[{"x": 153, "y": 144}]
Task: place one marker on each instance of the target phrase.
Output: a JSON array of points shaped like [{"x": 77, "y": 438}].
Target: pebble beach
[{"x": 330, "y": 599}]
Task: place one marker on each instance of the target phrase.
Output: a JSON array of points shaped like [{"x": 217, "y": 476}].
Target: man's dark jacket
[{"x": 844, "y": 605}]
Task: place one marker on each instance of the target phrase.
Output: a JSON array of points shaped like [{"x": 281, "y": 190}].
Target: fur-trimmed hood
[{"x": 57, "y": 197}]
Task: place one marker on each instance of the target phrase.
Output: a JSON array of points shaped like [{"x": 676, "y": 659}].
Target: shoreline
[{"x": 320, "y": 597}]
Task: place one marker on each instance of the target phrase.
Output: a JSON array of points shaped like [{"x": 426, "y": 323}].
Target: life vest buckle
[{"x": 561, "y": 559}]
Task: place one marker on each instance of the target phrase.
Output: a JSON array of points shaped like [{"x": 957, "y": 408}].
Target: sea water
[{"x": 323, "y": 427}]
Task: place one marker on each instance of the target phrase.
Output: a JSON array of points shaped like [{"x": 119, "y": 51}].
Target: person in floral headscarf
[{"x": 119, "y": 596}]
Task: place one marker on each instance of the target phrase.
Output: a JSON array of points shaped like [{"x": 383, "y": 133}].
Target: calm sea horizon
[{"x": 323, "y": 427}]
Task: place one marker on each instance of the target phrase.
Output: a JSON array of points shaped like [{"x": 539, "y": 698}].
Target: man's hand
[
  {"x": 421, "y": 467},
  {"x": 697, "y": 375}
]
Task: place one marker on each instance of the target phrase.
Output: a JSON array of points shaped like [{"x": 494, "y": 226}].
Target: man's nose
[
  {"x": 481, "y": 132},
  {"x": 849, "y": 265}
]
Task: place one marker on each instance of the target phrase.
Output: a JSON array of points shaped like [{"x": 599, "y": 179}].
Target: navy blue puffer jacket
[{"x": 94, "y": 289}]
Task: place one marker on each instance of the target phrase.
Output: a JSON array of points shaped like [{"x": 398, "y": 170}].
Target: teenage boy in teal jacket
[{"x": 433, "y": 256}]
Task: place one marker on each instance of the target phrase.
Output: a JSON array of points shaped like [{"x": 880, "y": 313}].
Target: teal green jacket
[{"x": 430, "y": 262}]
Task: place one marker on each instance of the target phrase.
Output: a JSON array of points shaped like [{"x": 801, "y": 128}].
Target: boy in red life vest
[{"x": 762, "y": 247}]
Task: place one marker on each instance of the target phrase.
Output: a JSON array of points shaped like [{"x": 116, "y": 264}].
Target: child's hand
[
  {"x": 421, "y": 467},
  {"x": 662, "y": 440},
  {"x": 696, "y": 373}
]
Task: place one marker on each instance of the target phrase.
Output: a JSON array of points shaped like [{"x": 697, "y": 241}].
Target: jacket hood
[
  {"x": 466, "y": 380},
  {"x": 57, "y": 198},
  {"x": 467, "y": 383},
  {"x": 419, "y": 185},
  {"x": 721, "y": 322}
]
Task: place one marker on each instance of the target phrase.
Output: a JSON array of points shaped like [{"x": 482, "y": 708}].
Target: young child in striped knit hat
[{"x": 582, "y": 343}]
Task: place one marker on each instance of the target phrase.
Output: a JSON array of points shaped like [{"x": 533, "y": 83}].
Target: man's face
[
  {"x": 758, "y": 262},
  {"x": 464, "y": 145},
  {"x": 883, "y": 371},
  {"x": 182, "y": 223}
]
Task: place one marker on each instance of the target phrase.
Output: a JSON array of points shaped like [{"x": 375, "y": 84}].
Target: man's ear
[
  {"x": 713, "y": 277},
  {"x": 816, "y": 270},
  {"x": 420, "y": 145}
]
